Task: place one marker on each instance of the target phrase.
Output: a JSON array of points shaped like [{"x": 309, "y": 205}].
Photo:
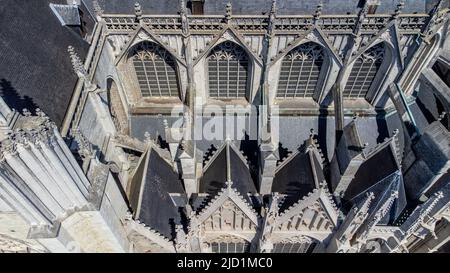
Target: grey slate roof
[
  {"x": 259, "y": 6},
  {"x": 127, "y": 6},
  {"x": 294, "y": 179},
  {"x": 215, "y": 175},
  {"x": 382, "y": 190},
  {"x": 374, "y": 169},
  {"x": 35, "y": 69},
  {"x": 157, "y": 209}
]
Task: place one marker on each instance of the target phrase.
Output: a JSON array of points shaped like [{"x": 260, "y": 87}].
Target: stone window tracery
[
  {"x": 228, "y": 70},
  {"x": 300, "y": 71},
  {"x": 299, "y": 244},
  {"x": 363, "y": 72},
  {"x": 155, "y": 70},
  {"x": 229, "y": 244}
]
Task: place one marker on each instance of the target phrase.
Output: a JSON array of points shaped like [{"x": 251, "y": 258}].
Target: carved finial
[
  {"x": 311, "y": 132},
  {"x": 425, "y": 210},
  {"x": 85, "y": 148},
  {"x": 183, "y": 144},
  {"x": 77, "y": 64},
  {"x": 182, "y": 6},
  {"x": 361, "y": 16},
  {"x": 26, "y": 112},
  {"x": 395, "y": 132},
  {"x": 399, "y": 8},
  {"x": 165, "y": 124},
  {"x": 442, "y": 116},
  {"x": 318, "y": 12},
  {"x": 273, "y": 8},
  {"x": 97, "y": 9},
  {"x": 181, "y": 238},
  {"x": 229, "y": 12},
  {"x": 272, "y": 16},
  {"x": 355, "y": 116},
  {"x": 366, "y": 204},
  {"x": 147, "y": 137},
  {"x": 229, "y": 184},
  {"x": 138, "y": 11}
]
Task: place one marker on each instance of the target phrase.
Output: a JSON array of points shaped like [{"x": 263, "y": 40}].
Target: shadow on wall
[
  {"x": 383, "y": 130},
  {"x": 13, "y": 98}
]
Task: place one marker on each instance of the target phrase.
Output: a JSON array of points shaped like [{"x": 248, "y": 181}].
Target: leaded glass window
[
  {"x": 228, "y": 67},
  {"x": 300, "y": 71},
  {"x": 294, "y": 247},
  {"x": 363, "y": 72},
  {"x": 155, "y": 70},
  {"x": 230, "y": 247}
]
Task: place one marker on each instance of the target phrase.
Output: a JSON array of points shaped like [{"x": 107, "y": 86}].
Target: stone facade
[{"x": 358, "y": 163}]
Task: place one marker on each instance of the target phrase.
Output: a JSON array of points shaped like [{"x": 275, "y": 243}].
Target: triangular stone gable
[
  {"x": 144, "y": 34},
  {"x": 229, "y": 34},
  {"x": 228, "y": 200},
  {"x": 135, "y": 229},
  {"x": 316, "y": 211},
  {"x": 222, "y": 149}
]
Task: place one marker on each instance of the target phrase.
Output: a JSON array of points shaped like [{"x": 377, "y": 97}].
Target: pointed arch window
[
  {"x": 155, "y": 70},
  {"x": 228, "y": 70},
  {"x": 363, "y": 72},
  {"x": 300, "y": 71}
]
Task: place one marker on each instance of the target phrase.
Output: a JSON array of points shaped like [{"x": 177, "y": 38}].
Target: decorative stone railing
[{"x": 248, "y": 23}]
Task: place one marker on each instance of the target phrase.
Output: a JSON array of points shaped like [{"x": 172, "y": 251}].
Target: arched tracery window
[
  {"x": 155, "y": 70},
  {"x": 228, "y": 70},
  {"x": 300, "y": 244},
  {"x": 363, "y": 72},
  {"x": 229, "y": 244},
  {"x": 300, "y": 71}
]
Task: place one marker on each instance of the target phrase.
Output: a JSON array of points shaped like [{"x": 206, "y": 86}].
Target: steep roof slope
[{"x": 35, "y": 68}]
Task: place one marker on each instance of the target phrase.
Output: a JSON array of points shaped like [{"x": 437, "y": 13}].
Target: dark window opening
[{"x": 196, "y": 7}]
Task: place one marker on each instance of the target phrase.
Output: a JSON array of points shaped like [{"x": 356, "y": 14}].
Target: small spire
[
  {"x": 229, "y": 12},
  {"x": 182, "y": 7},
  {"x": 26, "y": 112},
  {"x": 273, "y": 8},
  {"x": 183, "y": 144},
  {"x": 229, "y": 184},
  {"x": 138, "y": 11},
  {"x": 272, "y": 16},
  {"x": 318, "y": 12},
  {"x": 147, "y": 137},
  {"x": 97, "y": 9},
  {"x": 442, "y": 116},
  {"x": 311, "y": 133},
  {"x": 366, "y": 204},
  {"x": 395, "y": 132},
  {"x": 77, "y": 64},
  {"x": 399, "y": 8},
  {"x": 165, "y": 124}
]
